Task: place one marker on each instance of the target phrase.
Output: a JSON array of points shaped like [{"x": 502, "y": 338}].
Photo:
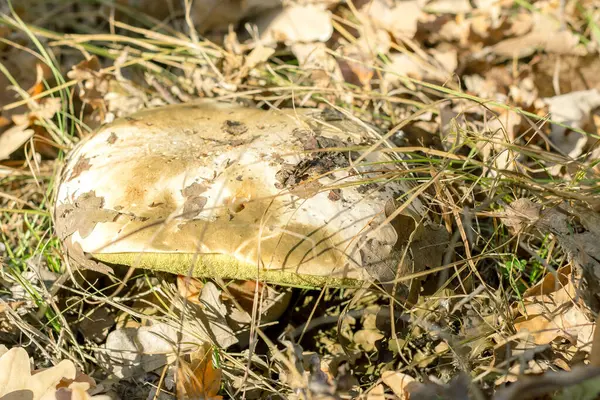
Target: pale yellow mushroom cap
[{"x": 233, "y": 192}]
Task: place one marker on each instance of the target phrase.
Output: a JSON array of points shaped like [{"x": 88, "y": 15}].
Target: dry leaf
[
  {"x": 313, "y": 57},
  {"x": 439, "y": 66},
  {"x": 367, "y": 338},
  {"x": 198, "y": 378},
  {"x": 45, "y": 109},
  {"x": 295, "y": 24},
  {"x": 572, "y": 109},
  {"x": 257, "y": 56},
  {"x": 93, "y": 84},
  {"x": 274, "y": 300},
  {"x": 12, "y": 139},
  {"x": 547, "y": 35},
  {"x": 96, "y": 325},
  {"x": 399, "y": 18},
  {"x": 397, "y": 381},
  {"x": 189, "y": 288},
  {"x": 132, "y": 351},
  {"x": 521, "y": 213},
  {"x": 215, "y": 312},
  {"x": 550, "y": 310},
  {"x": 402, "y": 65},
  {"x": 577, "y": 231},
  {"x": 553, "y": 315},
  {"x": 17, "y": 382},
  {"x": 448, "y": 6},
  {"x": 376, "y": 393}
]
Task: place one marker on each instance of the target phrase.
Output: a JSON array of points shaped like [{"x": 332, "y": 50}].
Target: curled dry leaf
[
  {"x": 275, "y": 300},
  {"x": 554, "y": 308},
  {"x": 367, "y": 338},
  {"x": 214, "y": 322},
  {"x": 93, "y": 84},
  {"x": 132, "y": 351}
]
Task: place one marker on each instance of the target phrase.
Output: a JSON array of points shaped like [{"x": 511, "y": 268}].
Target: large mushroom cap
[{"x": 222, "y": 190}]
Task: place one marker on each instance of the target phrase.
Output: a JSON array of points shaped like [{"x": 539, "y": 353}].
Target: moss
[{"x": 222, "y": 266}]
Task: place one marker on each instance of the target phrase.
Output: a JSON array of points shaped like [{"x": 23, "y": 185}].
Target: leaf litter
[{"x": 478, "y": 333}]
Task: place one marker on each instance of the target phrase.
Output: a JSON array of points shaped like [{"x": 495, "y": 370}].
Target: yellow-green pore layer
[{"x": 223, "y": 266}]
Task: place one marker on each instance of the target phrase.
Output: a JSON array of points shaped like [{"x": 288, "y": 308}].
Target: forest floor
[{"x": 493, "y": 105}]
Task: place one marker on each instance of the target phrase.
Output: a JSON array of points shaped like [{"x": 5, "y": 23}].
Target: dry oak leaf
[
  {"x": 550, "y": 310},
  {"x": 15, "y": 376},
  {"x": 61, "y": 382}
]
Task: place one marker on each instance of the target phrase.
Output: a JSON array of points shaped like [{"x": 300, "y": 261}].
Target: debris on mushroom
[{"x": 296, "y": 197}]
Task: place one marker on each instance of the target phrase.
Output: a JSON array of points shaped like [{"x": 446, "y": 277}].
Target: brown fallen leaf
[
  {"x": 448, "y": 6},
  {"x": 314, "y": 57},
  {"x": 547, "y": 35},
  {"x": 577, "y": 231},
  {"x": 295, "y": 24},
  {"x": 399, "y": 18},
  {"x": 189, "y": 288},
  {"x": 572, "y": 109},
  {"x": 556, "y": 314},
  {"x": 398, "y": 382},
  {"x": 12, "y": 139},
  {"x": 198, "y": 378},
  {"x": 93, "y": 84},
  {"x": 376, "y": 393},
  {"x": 554, "y": 308}
]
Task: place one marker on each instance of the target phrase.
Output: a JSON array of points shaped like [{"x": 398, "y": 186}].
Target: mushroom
[{"x": 218, "y": 190}]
